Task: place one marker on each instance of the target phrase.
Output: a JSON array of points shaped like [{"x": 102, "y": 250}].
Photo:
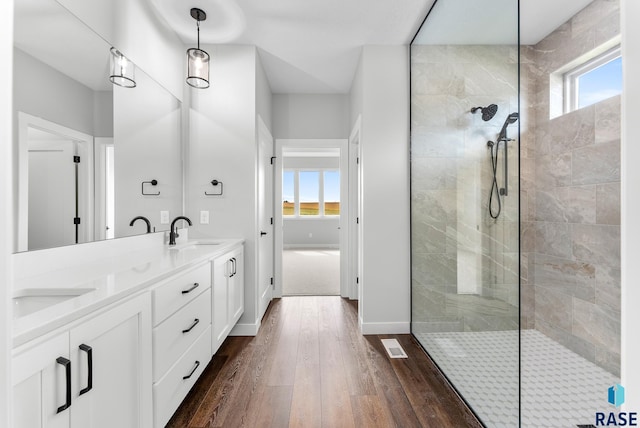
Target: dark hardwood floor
[{"x": 310, "y": 367}]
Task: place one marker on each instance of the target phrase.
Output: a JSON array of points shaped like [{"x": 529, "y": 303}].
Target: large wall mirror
[{"x": 90, "y": 156}]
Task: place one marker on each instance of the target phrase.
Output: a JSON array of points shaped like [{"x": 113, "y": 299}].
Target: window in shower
[{"x": 593, "y": 81}]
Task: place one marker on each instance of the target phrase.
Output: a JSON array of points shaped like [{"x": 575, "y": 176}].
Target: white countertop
[{"x": 112, "y": 279}]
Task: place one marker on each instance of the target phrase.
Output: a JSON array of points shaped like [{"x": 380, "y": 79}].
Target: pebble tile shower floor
[{"x": 559, "y": 388}]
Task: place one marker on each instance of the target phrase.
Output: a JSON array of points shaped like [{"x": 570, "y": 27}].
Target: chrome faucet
[
  {"x": 173, "y": 234},
  {"x": 146, "y": 220}
]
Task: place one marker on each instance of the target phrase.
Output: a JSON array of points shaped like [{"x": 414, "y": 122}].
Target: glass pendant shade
[
  {"x": 123, "y": 71},
  {"x": 197, "y": 68}
]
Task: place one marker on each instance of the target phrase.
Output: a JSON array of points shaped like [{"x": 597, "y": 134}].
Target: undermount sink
[
  {"x": 196, "y": 244},
  {"x": 30, "y": 300}
]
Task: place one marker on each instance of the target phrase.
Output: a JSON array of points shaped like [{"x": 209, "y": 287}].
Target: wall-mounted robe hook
[
  {"x": 153, "y": 183},
  {"x": 216, "y": 183}
]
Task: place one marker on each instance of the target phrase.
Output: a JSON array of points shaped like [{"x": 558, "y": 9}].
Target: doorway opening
[{"x": 311, "y": 194}]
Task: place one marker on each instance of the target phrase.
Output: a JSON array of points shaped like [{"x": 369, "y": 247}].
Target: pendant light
[
  {"x": 197, "y": 59},
  {"x": 123, "y": 71}
]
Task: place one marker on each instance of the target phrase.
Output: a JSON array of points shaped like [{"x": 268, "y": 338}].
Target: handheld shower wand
[
  {"x": 495, "y": 190},
  {"x": 512, "y": 118}
]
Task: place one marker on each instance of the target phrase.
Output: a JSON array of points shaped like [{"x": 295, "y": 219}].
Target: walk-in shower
[{"x": 515, "y": 214}]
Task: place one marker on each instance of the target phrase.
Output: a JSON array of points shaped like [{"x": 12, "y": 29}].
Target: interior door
[
  {"x": 265, "y": 218},
  {"x": 52, "y": 193}
]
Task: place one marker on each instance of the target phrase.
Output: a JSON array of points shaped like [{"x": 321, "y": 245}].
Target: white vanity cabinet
[
  {"x": 39, "y": 384},
  {"x": 94, "y": 373},
  {"x": 127, "y": 353},
  {"x": 181, "y": 337},
  {"x": 228, "y": 294}
]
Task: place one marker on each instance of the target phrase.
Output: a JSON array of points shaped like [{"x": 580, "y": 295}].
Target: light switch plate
[
  {"x": 204, "y": 217},
  {"x": 164, "y": 217}
]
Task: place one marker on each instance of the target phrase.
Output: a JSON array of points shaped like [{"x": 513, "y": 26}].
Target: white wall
[
  {"x": 381, "y": 88},
  {"x": 356, "y": 97},
  {"x": 264, "y": 97},
  {"x": 133, "y": 27},
  {"x": 147, "y": 133},
  {"x": 102, "y": 114},
  {"x": 324, "y": 233},
  {"x": 6, "y": 244},
  {"x": 310, "y": 116},
  {"x": 43, "y": 91},
  {"x": 630, "y": 14},
  {"x": 222, "y": 146}
]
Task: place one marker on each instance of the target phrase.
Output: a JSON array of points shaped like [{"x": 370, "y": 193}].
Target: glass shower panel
[{"x": 465, "y": 200}]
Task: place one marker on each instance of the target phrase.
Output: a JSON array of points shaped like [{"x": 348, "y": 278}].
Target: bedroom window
[{"x": 310, "y": 193}]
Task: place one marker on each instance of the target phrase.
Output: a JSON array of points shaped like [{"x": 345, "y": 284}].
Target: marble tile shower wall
[
  {"x": 465, "y": 264},
  {"x": 571, "y": 199}
]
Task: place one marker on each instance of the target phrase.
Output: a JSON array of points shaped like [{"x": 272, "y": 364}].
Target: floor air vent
[{"x": 393, "y": 348}]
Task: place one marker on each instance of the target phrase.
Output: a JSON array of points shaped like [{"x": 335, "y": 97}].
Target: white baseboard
[
  {"x": 385, "y": 327},
  {"x": 307, "y": 246},
  {"x": 245, "y": 329}
]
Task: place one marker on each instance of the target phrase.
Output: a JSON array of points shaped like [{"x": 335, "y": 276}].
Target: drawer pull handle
[
  {"x": 89, "y": 351},
  {"x": 193, "y": 287},
  {"x": 67, "y": 372},
  {"x": 195, "y": 323},
  {"x": 192, "y": 371}
]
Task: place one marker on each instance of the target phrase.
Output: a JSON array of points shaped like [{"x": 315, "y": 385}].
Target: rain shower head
[
  {"x": 512, "y": 118},
  {"x": 487, "y": 112}
]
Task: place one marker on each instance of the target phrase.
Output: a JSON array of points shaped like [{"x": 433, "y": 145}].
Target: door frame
[
  {"x": 264, "y": 133},
  {"x": 85, "y": 175},
  {"x": 345, "y": 203},
  {"x": 355, "y": 205}
]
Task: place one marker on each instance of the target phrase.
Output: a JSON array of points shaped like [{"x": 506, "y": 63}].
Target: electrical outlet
[
  {"x": 164, "y": 217},
  {"x": 204, "y": 217}
]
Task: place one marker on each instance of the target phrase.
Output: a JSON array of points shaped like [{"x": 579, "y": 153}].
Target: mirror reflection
[{"x": 85, "y": 147}]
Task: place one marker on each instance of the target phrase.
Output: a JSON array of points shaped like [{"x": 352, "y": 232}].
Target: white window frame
[
  {"x": 572, "y": 77},
  {"x": 296, "y": 190}
]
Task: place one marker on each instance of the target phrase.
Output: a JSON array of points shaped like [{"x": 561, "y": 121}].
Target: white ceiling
[
  {"x": 48, "y": 32},
  {"x": 313, "y": 46},
  {"x": 310, "y": 46},
  {"x": 463, "y": 22},
  {"x": 306, "y": 46}
]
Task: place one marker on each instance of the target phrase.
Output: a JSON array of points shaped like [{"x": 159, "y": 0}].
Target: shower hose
[{"x": 494, "y": 182}]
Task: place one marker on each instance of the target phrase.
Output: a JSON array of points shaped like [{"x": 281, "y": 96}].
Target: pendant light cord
[{"x": 198, "y": 34}]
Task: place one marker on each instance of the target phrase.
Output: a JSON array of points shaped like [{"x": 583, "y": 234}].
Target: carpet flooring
[{"x": 311, "y": 272}]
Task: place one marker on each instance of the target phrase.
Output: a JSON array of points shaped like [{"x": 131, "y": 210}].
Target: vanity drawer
[
  {"x": 169, "y": 392},
  {"x": 177, "y": 291},
  {"x": 175, "y": 334}
]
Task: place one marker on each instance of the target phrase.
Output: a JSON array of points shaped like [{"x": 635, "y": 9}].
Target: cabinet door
[
  {"x": 222, "y": 269},
  {"x": 236, "y": 287},
  {"x": 112, "y": 384},
  {"x": 39, "y": 381}
]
